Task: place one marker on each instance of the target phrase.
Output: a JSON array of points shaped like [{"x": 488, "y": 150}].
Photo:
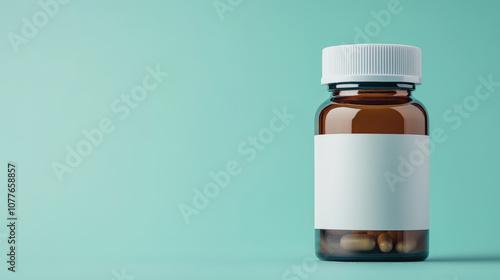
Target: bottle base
[
  {"x": 408, "y": 257},
  {"x": 372, "y": 246}
]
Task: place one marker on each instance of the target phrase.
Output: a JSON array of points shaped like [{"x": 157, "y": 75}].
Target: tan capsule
[
  {"x": 406, "y": 246},
  {"x": 357, "y": 242},
  {"x": 384, "y": 242},
  {"x": 375, "y": 233}
]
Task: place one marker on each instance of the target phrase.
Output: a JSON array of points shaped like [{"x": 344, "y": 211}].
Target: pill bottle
[{"x": 371, "y": 151}]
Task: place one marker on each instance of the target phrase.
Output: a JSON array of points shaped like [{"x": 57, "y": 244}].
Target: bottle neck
[{"x": 371, "y": 89}]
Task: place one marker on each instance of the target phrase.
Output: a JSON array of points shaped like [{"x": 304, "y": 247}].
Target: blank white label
[{"x": 371, "y": 181}]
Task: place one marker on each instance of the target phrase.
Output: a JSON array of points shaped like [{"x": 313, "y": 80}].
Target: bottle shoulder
[
  {"x": 409, "y": 106},
  {"x": 402, "y": 115}
]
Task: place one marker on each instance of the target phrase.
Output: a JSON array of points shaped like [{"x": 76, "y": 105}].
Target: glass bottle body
[{"x": 372, "y": 108}]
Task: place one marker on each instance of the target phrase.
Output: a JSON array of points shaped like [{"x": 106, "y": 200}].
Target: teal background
[{"x": 118, "y": 209}]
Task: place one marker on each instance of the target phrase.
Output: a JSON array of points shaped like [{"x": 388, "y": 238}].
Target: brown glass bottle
[{"x": 372, "y": 108}]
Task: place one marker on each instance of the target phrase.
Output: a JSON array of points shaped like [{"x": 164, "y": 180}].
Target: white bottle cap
[{"x": 372, "y": 63}]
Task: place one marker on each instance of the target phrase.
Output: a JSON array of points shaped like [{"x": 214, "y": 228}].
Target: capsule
[
  {"x": 357, "y": 242},
  {"x": 375, "y": 233},
  {"x": 406, "y": 246},
  {"x": 384, "y": 242}
]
